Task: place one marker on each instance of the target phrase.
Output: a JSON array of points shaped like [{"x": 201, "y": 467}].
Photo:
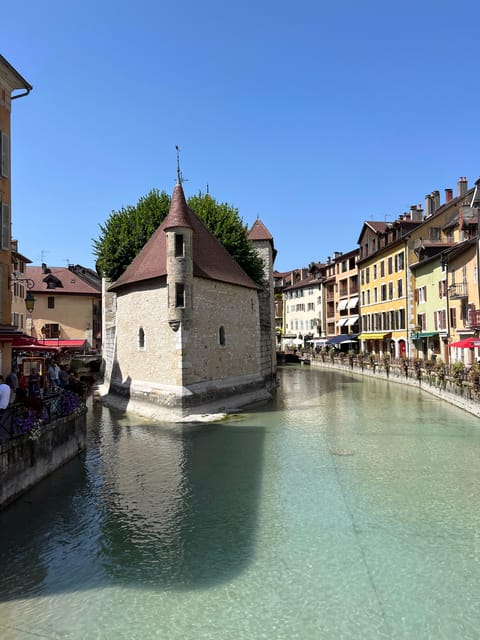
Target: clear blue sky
[{"x": 313, "y": 115}]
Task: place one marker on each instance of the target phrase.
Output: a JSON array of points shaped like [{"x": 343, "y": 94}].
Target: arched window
[
  {"x": 141, "y": 338},
  {"x": 221, "y": 336}
]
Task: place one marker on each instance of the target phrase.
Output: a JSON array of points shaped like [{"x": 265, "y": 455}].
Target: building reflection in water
[{"x": 147, "y": 506}]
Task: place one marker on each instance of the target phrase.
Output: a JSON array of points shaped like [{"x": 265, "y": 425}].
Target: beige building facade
[{"x": 67, "y": 305}]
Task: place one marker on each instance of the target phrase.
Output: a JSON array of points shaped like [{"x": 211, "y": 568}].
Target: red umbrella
[{"x": 467, "y": 343}]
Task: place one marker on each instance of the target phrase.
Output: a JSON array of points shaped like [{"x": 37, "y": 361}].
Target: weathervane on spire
[{"x": 180, "y": 178}]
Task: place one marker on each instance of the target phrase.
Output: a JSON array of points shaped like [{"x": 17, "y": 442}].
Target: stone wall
[
  {"x": 268, "y": 359},
  {"x": 178, "y": 371},
  {"x": 193, "y": 354},
  {"x": 461, "y": 398},
  {"x": 24, "y": 462}
]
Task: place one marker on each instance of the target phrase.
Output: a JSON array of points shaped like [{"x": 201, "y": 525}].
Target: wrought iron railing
[
  {"x": 458, "y": 290},
  {"x": 24, "y": 418},
  {"x": 474, "y": 319}
]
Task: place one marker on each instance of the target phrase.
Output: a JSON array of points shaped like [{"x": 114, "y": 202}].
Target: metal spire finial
[{"x": 179, "y": 173}]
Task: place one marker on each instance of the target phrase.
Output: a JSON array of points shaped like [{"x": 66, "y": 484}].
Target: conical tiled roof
[
  {"x": 178, "y": 213},
  {"x": 259, "y": 231},
  {"x": 210, "y": 258}
]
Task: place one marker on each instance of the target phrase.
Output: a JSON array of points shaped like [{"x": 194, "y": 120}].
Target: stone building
[
  {"x": 67, "y": 306},
  {"x": 186, "y": 331}
]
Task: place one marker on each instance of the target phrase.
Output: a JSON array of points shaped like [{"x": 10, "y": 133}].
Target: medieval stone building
[{"x": 187, "y": 333}]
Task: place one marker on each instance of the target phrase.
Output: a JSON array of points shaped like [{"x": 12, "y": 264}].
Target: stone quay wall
[
  {"x": 24, "y": 462},
  {"x": 463, "y": 396}
]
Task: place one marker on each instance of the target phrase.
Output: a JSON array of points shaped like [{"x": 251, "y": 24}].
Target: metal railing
[
  {"x": 460, "y": 381},
  {"x": 23, "y": 418}
]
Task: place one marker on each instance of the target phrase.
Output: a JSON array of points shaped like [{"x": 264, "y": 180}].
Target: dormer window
[{"x": 52, "y": 282}]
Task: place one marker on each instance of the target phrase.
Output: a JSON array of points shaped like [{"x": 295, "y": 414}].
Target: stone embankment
[
  {"x": 28, "y": 458},
  {"x": 460, "y": 393}
]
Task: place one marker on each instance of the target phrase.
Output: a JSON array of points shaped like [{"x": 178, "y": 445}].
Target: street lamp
[
  {"x": 29, "y": 298},
  {"x": 416, "y": 330},
  {"x": 30, "y": 302}
]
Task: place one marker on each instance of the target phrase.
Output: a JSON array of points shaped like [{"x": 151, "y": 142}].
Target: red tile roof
[
  {"x": 210, "y": 258},
  {"x": 259, "y": 231},
  {"x": 66, "y": 281}
]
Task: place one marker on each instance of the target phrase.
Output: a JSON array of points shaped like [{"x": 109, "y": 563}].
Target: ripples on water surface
[{"x": 347, "y": 509}]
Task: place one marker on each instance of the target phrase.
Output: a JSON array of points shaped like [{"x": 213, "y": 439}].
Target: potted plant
[
  {"x": 386, "y": 363},
  {"x": 458, "y": 372}
]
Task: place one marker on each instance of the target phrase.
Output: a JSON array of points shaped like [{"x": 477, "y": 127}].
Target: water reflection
[
  {"x": 168, "y": 507},
  {"x": 344, "y": 509}
]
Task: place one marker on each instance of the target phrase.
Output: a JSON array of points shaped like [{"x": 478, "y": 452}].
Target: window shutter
[
  {"x": 4, "y": 155},
  {"x": 5, "y": 228}
]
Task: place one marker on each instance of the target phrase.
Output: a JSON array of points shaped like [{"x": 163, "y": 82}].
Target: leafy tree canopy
[{"x": 126, "y": 231}]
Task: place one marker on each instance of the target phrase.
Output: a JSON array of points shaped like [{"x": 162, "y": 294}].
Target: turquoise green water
[{"x": 346, "y": 510}]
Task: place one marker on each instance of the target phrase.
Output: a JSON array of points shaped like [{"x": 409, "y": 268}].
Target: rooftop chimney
[
  {"x": 448, "y": 195},
  {"x": 429, "y": 205},
  {"x": 436, "y": 199},
  {"x": 415, "y": 214},
  {"x": 462, "y": 186}
]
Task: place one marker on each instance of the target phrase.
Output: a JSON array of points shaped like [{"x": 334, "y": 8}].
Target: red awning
[
  {"x": 36, "y": 347},
  {"x": 467, "y": 343},
  {"x": 63, "y": 344},
  {"x": 25, "y": 343}
]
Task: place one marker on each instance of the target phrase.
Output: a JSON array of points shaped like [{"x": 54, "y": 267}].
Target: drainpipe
[
  {"x": 21, "y": 95},
  {"x": 447, "y": 303}
]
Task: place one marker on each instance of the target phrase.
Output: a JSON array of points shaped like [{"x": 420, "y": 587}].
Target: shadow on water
[{"x": 169, "y": 507}]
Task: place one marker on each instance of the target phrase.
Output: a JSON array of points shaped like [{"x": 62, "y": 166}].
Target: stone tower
[
  {"x": 179, "y": 258},
  {"x": 262, "y": 240}
]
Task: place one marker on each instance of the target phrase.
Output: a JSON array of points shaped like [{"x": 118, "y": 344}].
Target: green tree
[
  {"x": 126, "y": 231},
  {"x": 223, "y": 220}
]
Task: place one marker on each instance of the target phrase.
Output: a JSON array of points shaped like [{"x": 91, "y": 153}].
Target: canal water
[{"x": 347, "y": 509}]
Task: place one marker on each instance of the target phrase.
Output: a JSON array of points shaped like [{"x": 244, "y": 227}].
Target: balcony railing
[
  {"x": 474, "y": 319},
  {"x": 457, "y": 291}
]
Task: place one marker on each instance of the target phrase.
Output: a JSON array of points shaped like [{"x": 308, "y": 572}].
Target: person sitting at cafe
[{"x": 4, "y": 394}]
